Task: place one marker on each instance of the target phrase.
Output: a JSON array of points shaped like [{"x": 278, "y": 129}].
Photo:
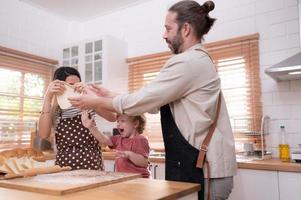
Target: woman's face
[{"x": 72, "y": 79}]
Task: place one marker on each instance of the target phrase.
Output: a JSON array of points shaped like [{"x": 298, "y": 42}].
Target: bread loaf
[{"x": 44, "y": 170}]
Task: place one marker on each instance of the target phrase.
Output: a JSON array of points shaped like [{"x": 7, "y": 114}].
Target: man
[{"x": 187, "y": 92}]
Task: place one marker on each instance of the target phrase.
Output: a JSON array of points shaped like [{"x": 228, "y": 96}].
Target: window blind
[
  {"x": 237, "y": 62},
  {"x": 141, "y": 71},
  {"x": 24, "y": 79}
]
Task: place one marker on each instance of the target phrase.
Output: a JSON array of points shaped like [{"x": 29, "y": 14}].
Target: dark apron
[{"x": 180, "y": 156}]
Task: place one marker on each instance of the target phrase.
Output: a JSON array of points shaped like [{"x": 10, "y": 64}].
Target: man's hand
[
  {"x": 101, "y": 91},
  {"x": 84, "y": 101}
]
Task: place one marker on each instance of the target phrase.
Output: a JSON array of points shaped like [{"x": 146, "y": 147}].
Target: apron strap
[{"x": 204, "y": 146}]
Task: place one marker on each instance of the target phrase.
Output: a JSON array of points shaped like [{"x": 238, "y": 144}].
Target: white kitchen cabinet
[
  {"x": 109, "y": 165},
  {"x": 157, "y": 170},
  {"x": 289, "y": 186},
  {"x": 101, "y": 60},
  {"x": 255, "y": 184},
  {"x": 70, "y": 56}
]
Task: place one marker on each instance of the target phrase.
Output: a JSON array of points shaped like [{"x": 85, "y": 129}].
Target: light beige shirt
[{"x": 189, "y": 83}]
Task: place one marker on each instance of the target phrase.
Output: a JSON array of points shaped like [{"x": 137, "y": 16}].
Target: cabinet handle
[
  {"x": 155, "y": 171},
  {"x": 150, "y": 167}
]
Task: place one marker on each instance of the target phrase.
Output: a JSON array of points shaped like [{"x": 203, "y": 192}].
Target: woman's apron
[{"x": 76, "y": 146}]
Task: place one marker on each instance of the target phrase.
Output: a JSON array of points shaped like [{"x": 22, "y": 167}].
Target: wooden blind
[
  {"x": 237, "y": 61},
  {"x": 141, "y": 71},
  {"x": 24, "y": 79}
]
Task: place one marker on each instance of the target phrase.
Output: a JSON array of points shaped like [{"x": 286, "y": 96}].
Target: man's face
[{"x": 172, "y": 35}]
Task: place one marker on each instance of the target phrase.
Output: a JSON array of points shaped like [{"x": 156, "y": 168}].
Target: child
[{"x": 132, "y": 147}]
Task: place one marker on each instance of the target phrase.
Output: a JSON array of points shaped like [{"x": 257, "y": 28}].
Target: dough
[{"x": 62, "y": 100}]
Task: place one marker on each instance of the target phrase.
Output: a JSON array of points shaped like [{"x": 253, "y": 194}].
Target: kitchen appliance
[
  {"x": 290, "y": 68},
  {"x": 296, "y": 156}
]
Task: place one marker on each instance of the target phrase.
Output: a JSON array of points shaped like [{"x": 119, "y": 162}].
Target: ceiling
[{"x": 81, "y": 10}]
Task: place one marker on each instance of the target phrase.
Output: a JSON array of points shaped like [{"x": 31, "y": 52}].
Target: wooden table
[{"x": 137, "y": 189}]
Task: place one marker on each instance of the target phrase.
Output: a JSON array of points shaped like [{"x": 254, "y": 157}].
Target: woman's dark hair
[
  {"x": 193, "y": 13},
  {"x": 63, "y": 72}
]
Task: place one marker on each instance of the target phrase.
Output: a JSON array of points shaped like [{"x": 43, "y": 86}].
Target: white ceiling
[{"x": 81, "y": 10}]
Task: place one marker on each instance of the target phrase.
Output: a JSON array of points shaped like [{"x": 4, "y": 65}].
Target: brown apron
[{"x": 76, "y": 146}]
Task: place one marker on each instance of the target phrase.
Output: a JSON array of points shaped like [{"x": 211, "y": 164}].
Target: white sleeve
[{"x": 173, "y": 82}]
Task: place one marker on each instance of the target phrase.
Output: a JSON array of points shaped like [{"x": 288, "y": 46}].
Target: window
[
  {"x": 141, "y": 71},
  {"x": 237, "y": 62},
  {"x": 24, "y": 78}
]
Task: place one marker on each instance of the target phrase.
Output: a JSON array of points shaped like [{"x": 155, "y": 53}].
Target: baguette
[{"x": 44, "y": 170}]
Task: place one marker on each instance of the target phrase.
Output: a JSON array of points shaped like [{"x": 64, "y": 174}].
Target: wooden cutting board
[{"x": 67, "y": 182}]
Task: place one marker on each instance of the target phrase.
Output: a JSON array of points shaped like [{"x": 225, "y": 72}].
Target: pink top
[{"x": 138, "y": 144}]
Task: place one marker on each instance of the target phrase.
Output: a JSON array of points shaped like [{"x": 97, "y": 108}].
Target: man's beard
[{"x": 176, "y": 44}]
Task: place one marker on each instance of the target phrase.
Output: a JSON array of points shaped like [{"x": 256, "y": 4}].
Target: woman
[{"x": 76, "y": 146}]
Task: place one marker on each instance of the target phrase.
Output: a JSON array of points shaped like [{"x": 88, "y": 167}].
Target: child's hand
[
  {"x": 123, "y": 154},
  {"x": 86, "y": 121}
]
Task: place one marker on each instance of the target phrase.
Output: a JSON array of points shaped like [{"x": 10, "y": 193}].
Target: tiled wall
[
  {"x": 32, "y": 30},
  {"x": 142, "y": 27}
]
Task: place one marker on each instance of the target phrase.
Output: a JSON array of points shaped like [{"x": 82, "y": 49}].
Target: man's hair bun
[{"x": 208, "y": 6}]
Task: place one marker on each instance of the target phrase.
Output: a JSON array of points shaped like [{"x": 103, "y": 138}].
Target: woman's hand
[
  {"x": 79, "y": 87},
  {"x": 86, "y": 121},
  {"x": 56, "y": 87}
]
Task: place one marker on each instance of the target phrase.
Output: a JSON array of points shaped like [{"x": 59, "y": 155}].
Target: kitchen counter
[
  {"x": 269, "y": 164},
  {"x": 140, "y": 188}
]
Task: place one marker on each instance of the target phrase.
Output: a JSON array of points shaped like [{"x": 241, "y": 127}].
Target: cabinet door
[
  {"x": 157, "y": 170},
  {"x": 71, "y": 56},
  {"x": 160, "y": 171},
  {"x": 255, "y": 184},
  {"x": 109, "y": 165},
  {"x": 93, "y": 61},
  {"x": 289, "y": 185}
]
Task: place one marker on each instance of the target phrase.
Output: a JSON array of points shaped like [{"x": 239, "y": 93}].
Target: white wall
[
  {"x": 32, "y": 30},
  {"x": 275, "y": 20}
]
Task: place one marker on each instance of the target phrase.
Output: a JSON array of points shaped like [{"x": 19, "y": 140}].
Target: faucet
[{"x": 263, "y": 128}]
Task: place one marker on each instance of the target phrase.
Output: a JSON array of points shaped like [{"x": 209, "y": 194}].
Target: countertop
[
  {"x": 140, "y": 188},
  {"x": 269, "y": 164}
]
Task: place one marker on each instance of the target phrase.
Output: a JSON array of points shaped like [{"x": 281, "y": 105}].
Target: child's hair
[{"x": 140, "y": 119}]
